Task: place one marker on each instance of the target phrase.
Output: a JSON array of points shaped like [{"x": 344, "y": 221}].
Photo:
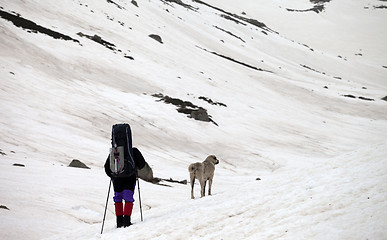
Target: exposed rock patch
[
  {"x": 134, "y": 3},
  {"x": 360, "y": 97},
  {"x": 366, "y": 99},
  {"x": 187, "y": 108},
  {"x": 4, "y": 207},
  {"x": 30, "y": 26},
  {"x": 179, "y": 2},
  {"x": 236, "y": 61},
  {"x": 212, "y": 102},
  {"x": 157, "y": 180},
  {"x": 98, "y": 39},
  {"x": 234, "y": 17},
  {"x": 319, "y": 7},
  {"x": 316, "y": 9},
  {"x": 230, "y": 33},
  {"x": 78, "y": 164},
  {"x": 314, "y": 70},
  {"x": 349, "y": 96},
  {"x": 156, "y": 37},
  {"x": 18, "y": 165},
  {"x": 146, "y": 173},
  {"x": 116, "y": 4}
]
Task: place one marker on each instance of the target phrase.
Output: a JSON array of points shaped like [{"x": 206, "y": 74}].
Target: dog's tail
[{"x": 192, "y": 167}]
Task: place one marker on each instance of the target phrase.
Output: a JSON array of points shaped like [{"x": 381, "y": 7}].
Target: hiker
[
  {"x": 124, "y": 190},
  {"x": 123, "y": 165}
]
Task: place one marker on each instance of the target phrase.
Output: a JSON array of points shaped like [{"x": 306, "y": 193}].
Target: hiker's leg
[
  {"x": 128, "y": 197},
  {"x": 119, "y": 208}
]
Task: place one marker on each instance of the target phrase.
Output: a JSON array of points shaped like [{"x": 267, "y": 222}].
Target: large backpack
[{"x": 121, "y": 153}]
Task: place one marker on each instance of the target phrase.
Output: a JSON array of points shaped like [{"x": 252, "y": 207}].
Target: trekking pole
[
  {"x": 107, "y": 199},
  {"x": 139, "y": 197}
]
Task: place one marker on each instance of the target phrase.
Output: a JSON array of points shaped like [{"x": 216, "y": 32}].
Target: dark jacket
[
  {"x": 139, "y": 161},
  {"x": 126, "y": 182}
]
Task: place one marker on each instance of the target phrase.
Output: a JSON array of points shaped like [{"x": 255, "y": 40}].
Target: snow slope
[{"x": 304, "y": 113}]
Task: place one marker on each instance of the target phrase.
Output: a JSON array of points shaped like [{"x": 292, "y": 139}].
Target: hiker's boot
[
  {"x": 120, "y": 221},
  {"x": 119, "y": 207},
  {"x": 127, "y": 222},
  {"x": 127, "y": 213}
]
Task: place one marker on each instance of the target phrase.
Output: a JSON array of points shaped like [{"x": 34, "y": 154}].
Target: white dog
[{"x": 203, "y": 171}]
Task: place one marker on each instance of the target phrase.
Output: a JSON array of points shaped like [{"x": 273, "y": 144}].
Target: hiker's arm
[{"x": 138, "y": 158}]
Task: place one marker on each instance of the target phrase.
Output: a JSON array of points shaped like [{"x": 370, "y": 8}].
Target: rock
[
  {"x": 4, "y": 207},
  {"x": 188, "y": 108},
  {"x": 18, "y": 165},
  {"x": 200, "y": 114},
  {"x": 96, "y": 38},
  {"x": 366, "y": 99},
  {"x": 349, "y": 95},
  {"x": 146, "y": 173},
  {"x": 156, "y": 37},
  {"x": 77, "y": 164},
  {"x": 134, "y": 3}
]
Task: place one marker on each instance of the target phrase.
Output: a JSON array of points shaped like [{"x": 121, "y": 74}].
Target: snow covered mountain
[{"x": 290, "y": 95}]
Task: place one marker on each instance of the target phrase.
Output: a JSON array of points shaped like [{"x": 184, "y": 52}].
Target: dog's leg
[
  {"x": 203, "y": 188},
  {"x": 209, "y": 186},
  {"x": 192, "y": 186}
]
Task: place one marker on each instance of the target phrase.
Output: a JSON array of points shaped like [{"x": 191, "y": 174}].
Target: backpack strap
[
  {"x": 114, "y": 145},
  {"x": 131, "y": 161},
  {"x": 115, "y": 152}
]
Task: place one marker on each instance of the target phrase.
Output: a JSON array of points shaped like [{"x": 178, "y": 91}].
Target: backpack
[{"x": 121, "y": 153}]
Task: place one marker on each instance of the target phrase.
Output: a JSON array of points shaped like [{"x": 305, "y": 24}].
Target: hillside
[{"x": 290, "y": 92}]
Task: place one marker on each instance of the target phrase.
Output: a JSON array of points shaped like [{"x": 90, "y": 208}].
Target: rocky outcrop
[{"x": 78, "y": 164}]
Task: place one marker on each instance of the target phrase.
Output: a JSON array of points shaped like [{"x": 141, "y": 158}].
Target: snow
[{"x": 320, "y": 156}]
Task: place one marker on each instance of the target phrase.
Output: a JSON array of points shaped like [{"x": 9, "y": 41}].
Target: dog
[{"x": 203, "y": 171}]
